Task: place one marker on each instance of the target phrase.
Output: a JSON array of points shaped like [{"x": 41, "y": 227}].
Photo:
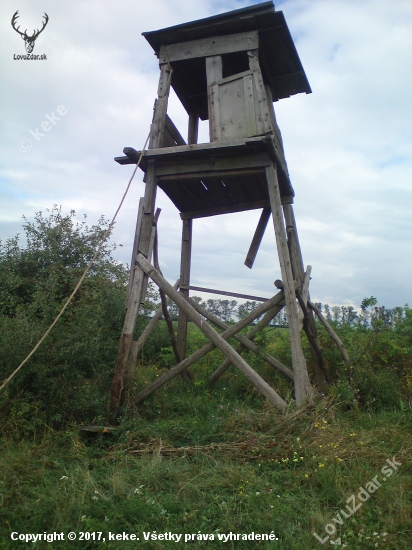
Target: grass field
[{"x": 201, "y": 462}]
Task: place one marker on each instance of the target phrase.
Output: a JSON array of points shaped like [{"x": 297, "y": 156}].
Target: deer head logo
[{"x": 28, "y": 40}]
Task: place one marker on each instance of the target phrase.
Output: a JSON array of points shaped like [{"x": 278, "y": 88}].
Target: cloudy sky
[{"x": 348, "y": 144}]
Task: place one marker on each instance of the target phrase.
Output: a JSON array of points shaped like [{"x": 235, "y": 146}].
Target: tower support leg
[
  {"x": 143, "y": 244},
  {"x": 320, "y": 371},
  {"x": 301, "y": 379},
  {"x": 184, "y": 285}
]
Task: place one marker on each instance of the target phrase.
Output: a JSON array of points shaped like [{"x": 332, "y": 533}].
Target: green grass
[{"x": 292, "y": 476}]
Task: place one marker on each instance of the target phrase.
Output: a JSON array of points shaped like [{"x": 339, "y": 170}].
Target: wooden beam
[
  {"x": 227, "y": 293},
  {"x": 305, "y": 293},
  {"x": 214, "y": 69},
  {"x": 207, "y": 47},
  {"x": 257, "y": 238},
  {"x": 193, "y": 127},
  {"x": 263, "y": 119},
  {"x": 139, "y": 343},
  {"x": 320, "y": 371},
  {"x": 199, "y": 149}
]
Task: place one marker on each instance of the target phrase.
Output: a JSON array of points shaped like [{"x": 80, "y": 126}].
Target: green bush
[{"x": 67, "y": 378}]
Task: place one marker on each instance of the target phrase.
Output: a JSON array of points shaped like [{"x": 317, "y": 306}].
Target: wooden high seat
[{"x": 228, "y": 69}]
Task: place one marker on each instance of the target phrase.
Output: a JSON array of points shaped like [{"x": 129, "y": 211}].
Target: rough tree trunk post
[
  {"x": 145, "y": 234},
  {"x": 301, "y": 379},
  {"x": 320, "y": 371},
  {"x": 214, "y": 336},
  {"x": 184, "y": 285},
  {"x": 186, "y": 253}
]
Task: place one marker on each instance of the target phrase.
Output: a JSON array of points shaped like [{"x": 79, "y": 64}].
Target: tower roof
[{"x": 280, "y": 63}]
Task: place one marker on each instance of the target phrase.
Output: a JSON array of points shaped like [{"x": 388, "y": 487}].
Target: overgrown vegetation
[{"x": 191, "y": 458}]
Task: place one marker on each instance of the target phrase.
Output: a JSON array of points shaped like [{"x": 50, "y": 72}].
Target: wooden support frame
[{"x": 229, "y": 333}]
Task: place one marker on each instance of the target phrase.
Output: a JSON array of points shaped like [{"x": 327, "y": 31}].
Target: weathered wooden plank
[
  {"x": 263, "y": 118},
  {"x": 208, "y": 47},
  {"x": 201, "y": 148},
  {"x": 218, "y": 191},
  {"x": 257, "y": 237},
  {"x": 214, "y": 69},
  {"x": 251, "y": 129},
  {"x": 240, "y": 207},
  {"x": 227, "y": 293},
  {"x": 179, "y": 194},
  {"x": 192, "y": 167},
  {"x": 275, "y": 127},
  {"x": 240, "y": 193},
  {"x": 302, "y": 388},
  {"x": 235, "y": 116},
  {"x": 175, "y": 371},
  {"x": 150, "y": 253},
  {"x": 215, "y": 124}
]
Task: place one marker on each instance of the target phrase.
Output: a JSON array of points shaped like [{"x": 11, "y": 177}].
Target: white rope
[{"x": 105, "y": 236}]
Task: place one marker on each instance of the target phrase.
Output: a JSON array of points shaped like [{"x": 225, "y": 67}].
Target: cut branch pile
[{"x": 251, "y": 449}]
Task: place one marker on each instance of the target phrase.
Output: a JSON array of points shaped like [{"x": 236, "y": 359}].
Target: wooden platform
[{"x": 207, "y": 179}]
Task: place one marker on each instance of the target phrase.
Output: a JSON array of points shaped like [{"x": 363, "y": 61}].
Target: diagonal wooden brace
[
  {"x": 217, "y": 340},
  {"x": 245, "y": 341}
]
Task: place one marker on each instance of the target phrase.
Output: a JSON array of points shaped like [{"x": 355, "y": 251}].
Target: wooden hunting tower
[{"x": 228, "y": 69}]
